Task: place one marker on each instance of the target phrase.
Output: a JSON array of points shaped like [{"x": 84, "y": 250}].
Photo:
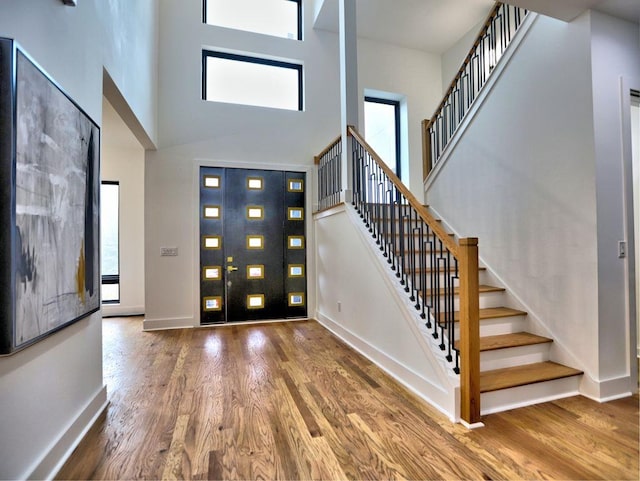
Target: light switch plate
[{"x": 168, "y": 251}]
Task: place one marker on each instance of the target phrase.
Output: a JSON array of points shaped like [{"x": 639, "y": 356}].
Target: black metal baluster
[
  {"x": 394, "y": 232},
  {"x": 423, "y": 268},
  {"x": 443, "y": 292},
  {"x": 452, "y": 335},
  {"x": 449, "y": 304},
  {"x": 435, "y": 285},
  {"x": 417, "y": 263}
]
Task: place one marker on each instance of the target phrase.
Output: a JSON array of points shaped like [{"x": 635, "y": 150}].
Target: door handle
[{"x": 231, "y": 268}]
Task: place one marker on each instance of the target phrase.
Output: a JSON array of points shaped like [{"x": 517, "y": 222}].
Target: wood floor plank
[
  {"x": 245, "y": 402},
  {"x": 304, "y": 411},
  {"x": 605, "y": 452},
  {"x": 363, "y": 375}
]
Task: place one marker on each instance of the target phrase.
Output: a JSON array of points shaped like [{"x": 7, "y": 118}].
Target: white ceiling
[
  {"x": 418, "y": 24},
  {"x": 567, "y": 10},
  {"x": 436, "y": 25}
]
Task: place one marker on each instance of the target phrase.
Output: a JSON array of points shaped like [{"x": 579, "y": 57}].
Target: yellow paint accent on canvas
[{"x": 80, "y": 273}]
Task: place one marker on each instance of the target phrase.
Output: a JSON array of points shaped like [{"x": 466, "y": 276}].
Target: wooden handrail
[
  {"x": 316, "y": 158},
  {"x": 419, "y": 208},
  {"x": 479, "y": 37}
]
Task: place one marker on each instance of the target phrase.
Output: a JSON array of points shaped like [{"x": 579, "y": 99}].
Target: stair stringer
[
  {"x": 427, "y": 374},
  {"x": 558, "y": 351}
]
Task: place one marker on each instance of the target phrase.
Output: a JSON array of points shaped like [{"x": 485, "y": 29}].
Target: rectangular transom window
[
  {"x": 279, "y": 18},
  {"x": 240, "y": 79}
]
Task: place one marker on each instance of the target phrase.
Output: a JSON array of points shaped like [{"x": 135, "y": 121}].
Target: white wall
[
  {"x": 615, "y": 55},
  {"x": 50, "y": 392},
  {"x": 452, "y": 59},
  {"x": 415, "y": 77},
  {"x": 123, "y": 161},
  {"x": 544, "y": 195},
  {"x": 130, "y": 30},
  {"x": 360, "y": 299},
  {"x": 522, "y": 180},
  {"x": 195, "y": 132}
]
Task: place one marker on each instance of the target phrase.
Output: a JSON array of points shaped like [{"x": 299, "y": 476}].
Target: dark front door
[{"x": 252, "y": 255}]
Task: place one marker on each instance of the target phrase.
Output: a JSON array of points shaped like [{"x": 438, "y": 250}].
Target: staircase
[
  {"x": 515, "y": 365},
  {"x": 484, "y": 338}
]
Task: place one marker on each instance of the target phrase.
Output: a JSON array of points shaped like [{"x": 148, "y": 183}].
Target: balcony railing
[
  {"x": 329, "y": 175},
  {"x": 497, "y": 33}
]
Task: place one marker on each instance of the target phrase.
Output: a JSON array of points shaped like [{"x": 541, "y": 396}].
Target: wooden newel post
[
  {"x": 426, "y": 149},
  {"x": 469, "y": 331}
]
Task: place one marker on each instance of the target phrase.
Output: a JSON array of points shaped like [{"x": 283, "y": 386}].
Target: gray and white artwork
[{"x": 57, "y": 205}]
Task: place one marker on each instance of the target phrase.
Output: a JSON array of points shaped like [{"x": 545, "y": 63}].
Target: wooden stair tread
[
  {"x": 506, "y": 341},
  {"x": 418, "y": 270},
  {"x": 522, "y": 375},
  {"x": 492, "y": 313},
  {"x": 406, "y": 234},
  {"x": 413, "y": 219},
  {"x": 482, "y": 288}
]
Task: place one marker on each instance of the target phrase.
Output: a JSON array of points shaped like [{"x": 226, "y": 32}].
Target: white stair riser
[
  {"x": 431, "y": 280},
  {"x": 505, "y": 399},
  {"x": 502, "y": 325},
  {"x": 488, "y": 299},
  {"x": 514, "y": 356}
]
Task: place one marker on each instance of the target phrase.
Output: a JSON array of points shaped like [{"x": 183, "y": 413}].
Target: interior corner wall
[
  {"x": 414, "y": 74},
  {"x": 130, "y": 55},
  {"x": 123, "y": 161},
  {"x": 522, "y": 178},
  {"x": 196, "y": 132},
  {"x": 452, "y": 59},
  {"x": 51, "y": 391},
  {"x": 615, "y": 56}
]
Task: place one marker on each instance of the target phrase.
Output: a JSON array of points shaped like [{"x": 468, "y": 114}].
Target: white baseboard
[
  {"x": 435, "y": 395},
  {"x": 118, "y": 310},
  {"x": 61, "y": 450},
  {"x": 608, "y": 389},
  {"x": 172, "y": 323}
]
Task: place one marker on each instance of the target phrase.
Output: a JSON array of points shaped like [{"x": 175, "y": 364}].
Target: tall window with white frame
[
  {"x": 279, "y": 18},
  {"x": 110, "y": 241},
  {"x": 382, "y": 130}
]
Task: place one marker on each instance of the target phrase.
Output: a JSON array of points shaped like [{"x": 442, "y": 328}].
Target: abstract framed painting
[{"x": 49, "y": 205}]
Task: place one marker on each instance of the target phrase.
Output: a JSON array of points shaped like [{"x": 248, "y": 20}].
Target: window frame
[
  {"x": 254, "y": 60},
  {"x": 396, "y": 105},
  {"x": 300, "y": 29},
  {"x": 112, "y": 278}
]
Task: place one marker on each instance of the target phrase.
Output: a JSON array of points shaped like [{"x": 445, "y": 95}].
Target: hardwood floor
[{"x": 291, "y": 401}]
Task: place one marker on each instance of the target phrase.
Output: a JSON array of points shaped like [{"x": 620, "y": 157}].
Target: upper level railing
[
  {"x": 329, "y": 175},
  {"x": 489, "y": 46},
  {"x": 439, "y": 275}
]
